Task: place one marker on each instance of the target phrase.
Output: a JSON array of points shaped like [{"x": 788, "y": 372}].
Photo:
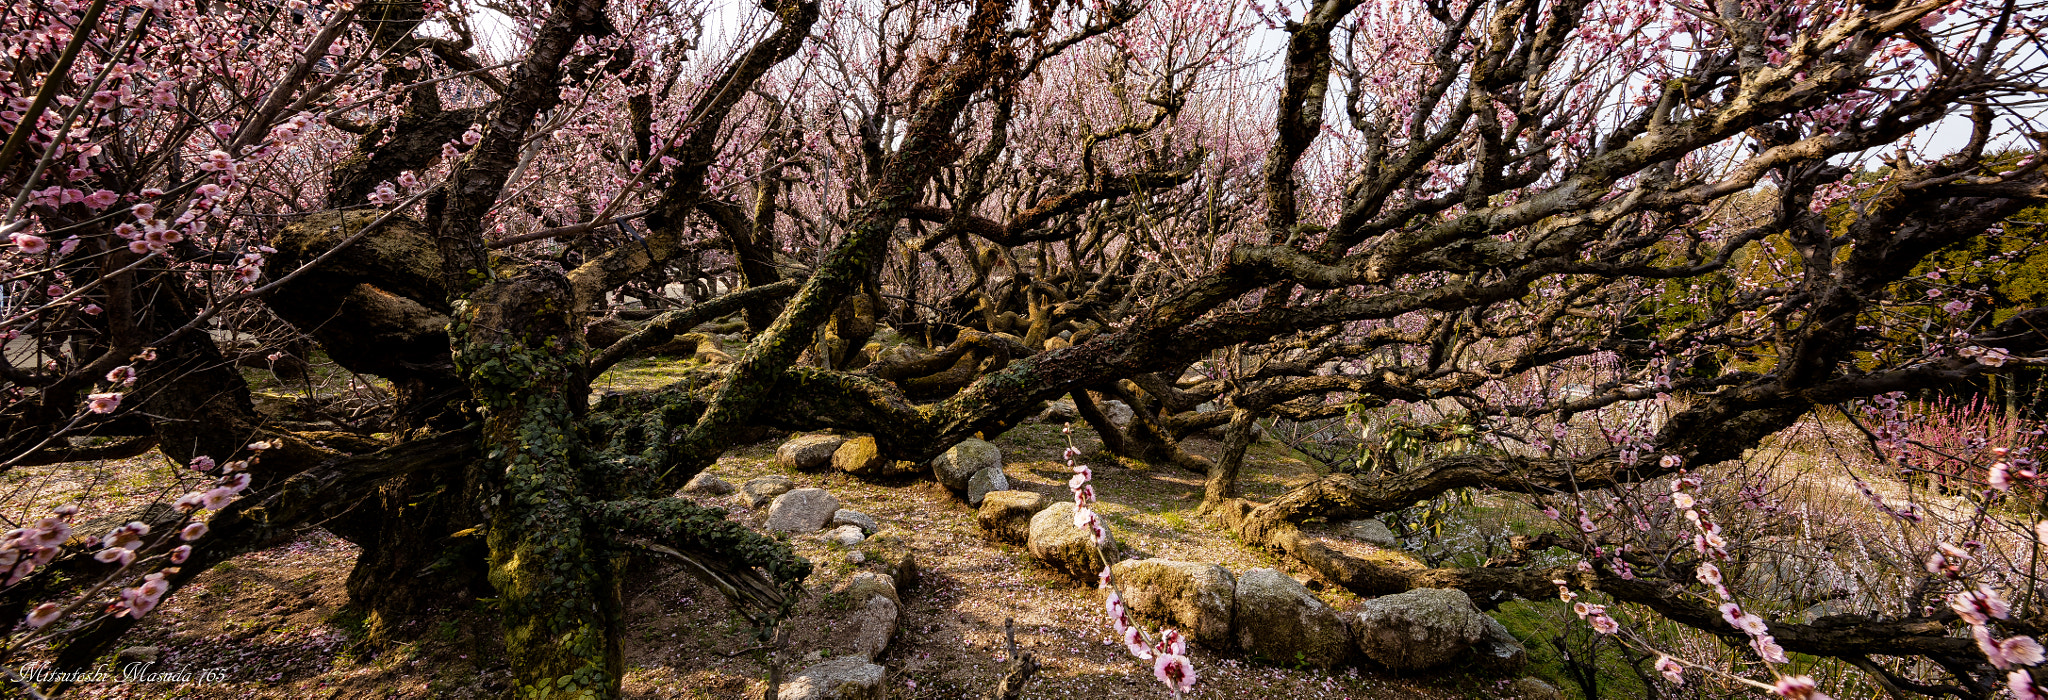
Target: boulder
[
  {"x": 706, "y": 484},
  {"x": 853, "y": 517},
  {"x": 984, "y": 481},
  {"x": 956, "y": 466},
  {"x": 1280, "y": 620},
  {"x": 1499, "y": 651},
  {"x": 861, "y": 457},
  {"x": 1005, "y": 516},
  {"x": 848, "y": 535},
  {"x": 1195, "y": 598},
  {"x": 763, "y": 489},
  {"x": 808, "y": 452},
  {"x": 874, "y": 626},
  {"x": 1422, "y": 628},
  {"x": 802, "y": 510},
  {"x": 843, "y": 678},
  {"x": 1372, "y": 532},
  {"x": 1061, "y": 546}
]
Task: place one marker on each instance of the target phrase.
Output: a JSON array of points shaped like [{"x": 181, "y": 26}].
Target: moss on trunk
[{"x": 556, "y": 576}]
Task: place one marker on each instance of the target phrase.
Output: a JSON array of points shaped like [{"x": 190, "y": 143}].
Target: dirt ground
[{"x": 276, "y": 624}]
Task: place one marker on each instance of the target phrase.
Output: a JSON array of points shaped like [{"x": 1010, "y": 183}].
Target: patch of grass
[{"x": 1560, "y": 645}]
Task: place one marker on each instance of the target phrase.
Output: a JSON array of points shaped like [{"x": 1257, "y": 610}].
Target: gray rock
[
  {"x": 763, "y": 489},
  {"x": 869, "y": 583},
  {"x": 1060, "y": 411},
  {"x": 1419, "y": 629},
  {"x": 137, "y": 655},
  {"x": 706, "y": 484},
  {"x": 1280, "y": 620},
  {"x": 853, "y": 517},
  {"x": 874, "y": 626},
  {"x": 802, "y": 510},
  {"x": 848, "y": 535},
  {"x": 1372, "y": 532},
  {"x": 956, "y": 466},
  {"x": 1196, "y": 598},
  {"x": 1528, "y": 688},
  {"x": 984, "y": 481},
  {"x": 1118, "y": 413},
  {"x": 843, "y": 678},
  {"x": 1499, "y": 651},
  {"x": 808, "y": 452},
  {"x": 1005, "y": 516},
  {"x": 856, "y": 557},
  {"x": 1062, "y": 547}
]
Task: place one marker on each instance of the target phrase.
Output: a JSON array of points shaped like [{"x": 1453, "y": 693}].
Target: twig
[{"x": 1022, "y": 667}]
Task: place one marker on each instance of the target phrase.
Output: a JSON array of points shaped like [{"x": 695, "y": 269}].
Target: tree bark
[
  {"x": 1222, "y": 482},
  {"x": 557, "y": 579}
]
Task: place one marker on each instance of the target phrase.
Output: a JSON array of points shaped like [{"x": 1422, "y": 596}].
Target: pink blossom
[
  {"x": 2005, "y": 654},
  {"x": 103, "y": 403},
  {"x": 1799, "y": 688},
  {"x": 1980, "y": 606},
  {"x": 1134, "y": 640},
  {"x": 192, "y": 531},
  {"x": 1175, "y": 671},
  {"x": 30, "y": 243},
  {"x": 1671, "y": 670},
  {"x": 43, "y": 614},
  {"x": 2022, "y": 685},
  {"x": 123, "y": 375}
]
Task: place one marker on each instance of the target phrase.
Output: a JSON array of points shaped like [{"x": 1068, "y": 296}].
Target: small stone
[
  {"x": 843, "y": 678},
  {"x": 763, "y": 489},
  {"x": 802, "y": 510},
  {"x": 853, "y": 517},
  {"x": 869, "y": 583},
  {"x": 706, "y": 484},
  {"x": 808, "y": 452},
  {"x": 984, "y": 481},
  {"x": 848, "y": 535},
  {"x": 856, "y": 557},
  {"x": 1372, "y": 532},
  {"x": 1005, "y": 516},
  {"x": 137, "y": 655},
  {"x": 957, "y": 466}
]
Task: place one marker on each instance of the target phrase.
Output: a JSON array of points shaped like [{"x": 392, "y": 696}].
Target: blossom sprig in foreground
[{"x": 1169, "y": 651}]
